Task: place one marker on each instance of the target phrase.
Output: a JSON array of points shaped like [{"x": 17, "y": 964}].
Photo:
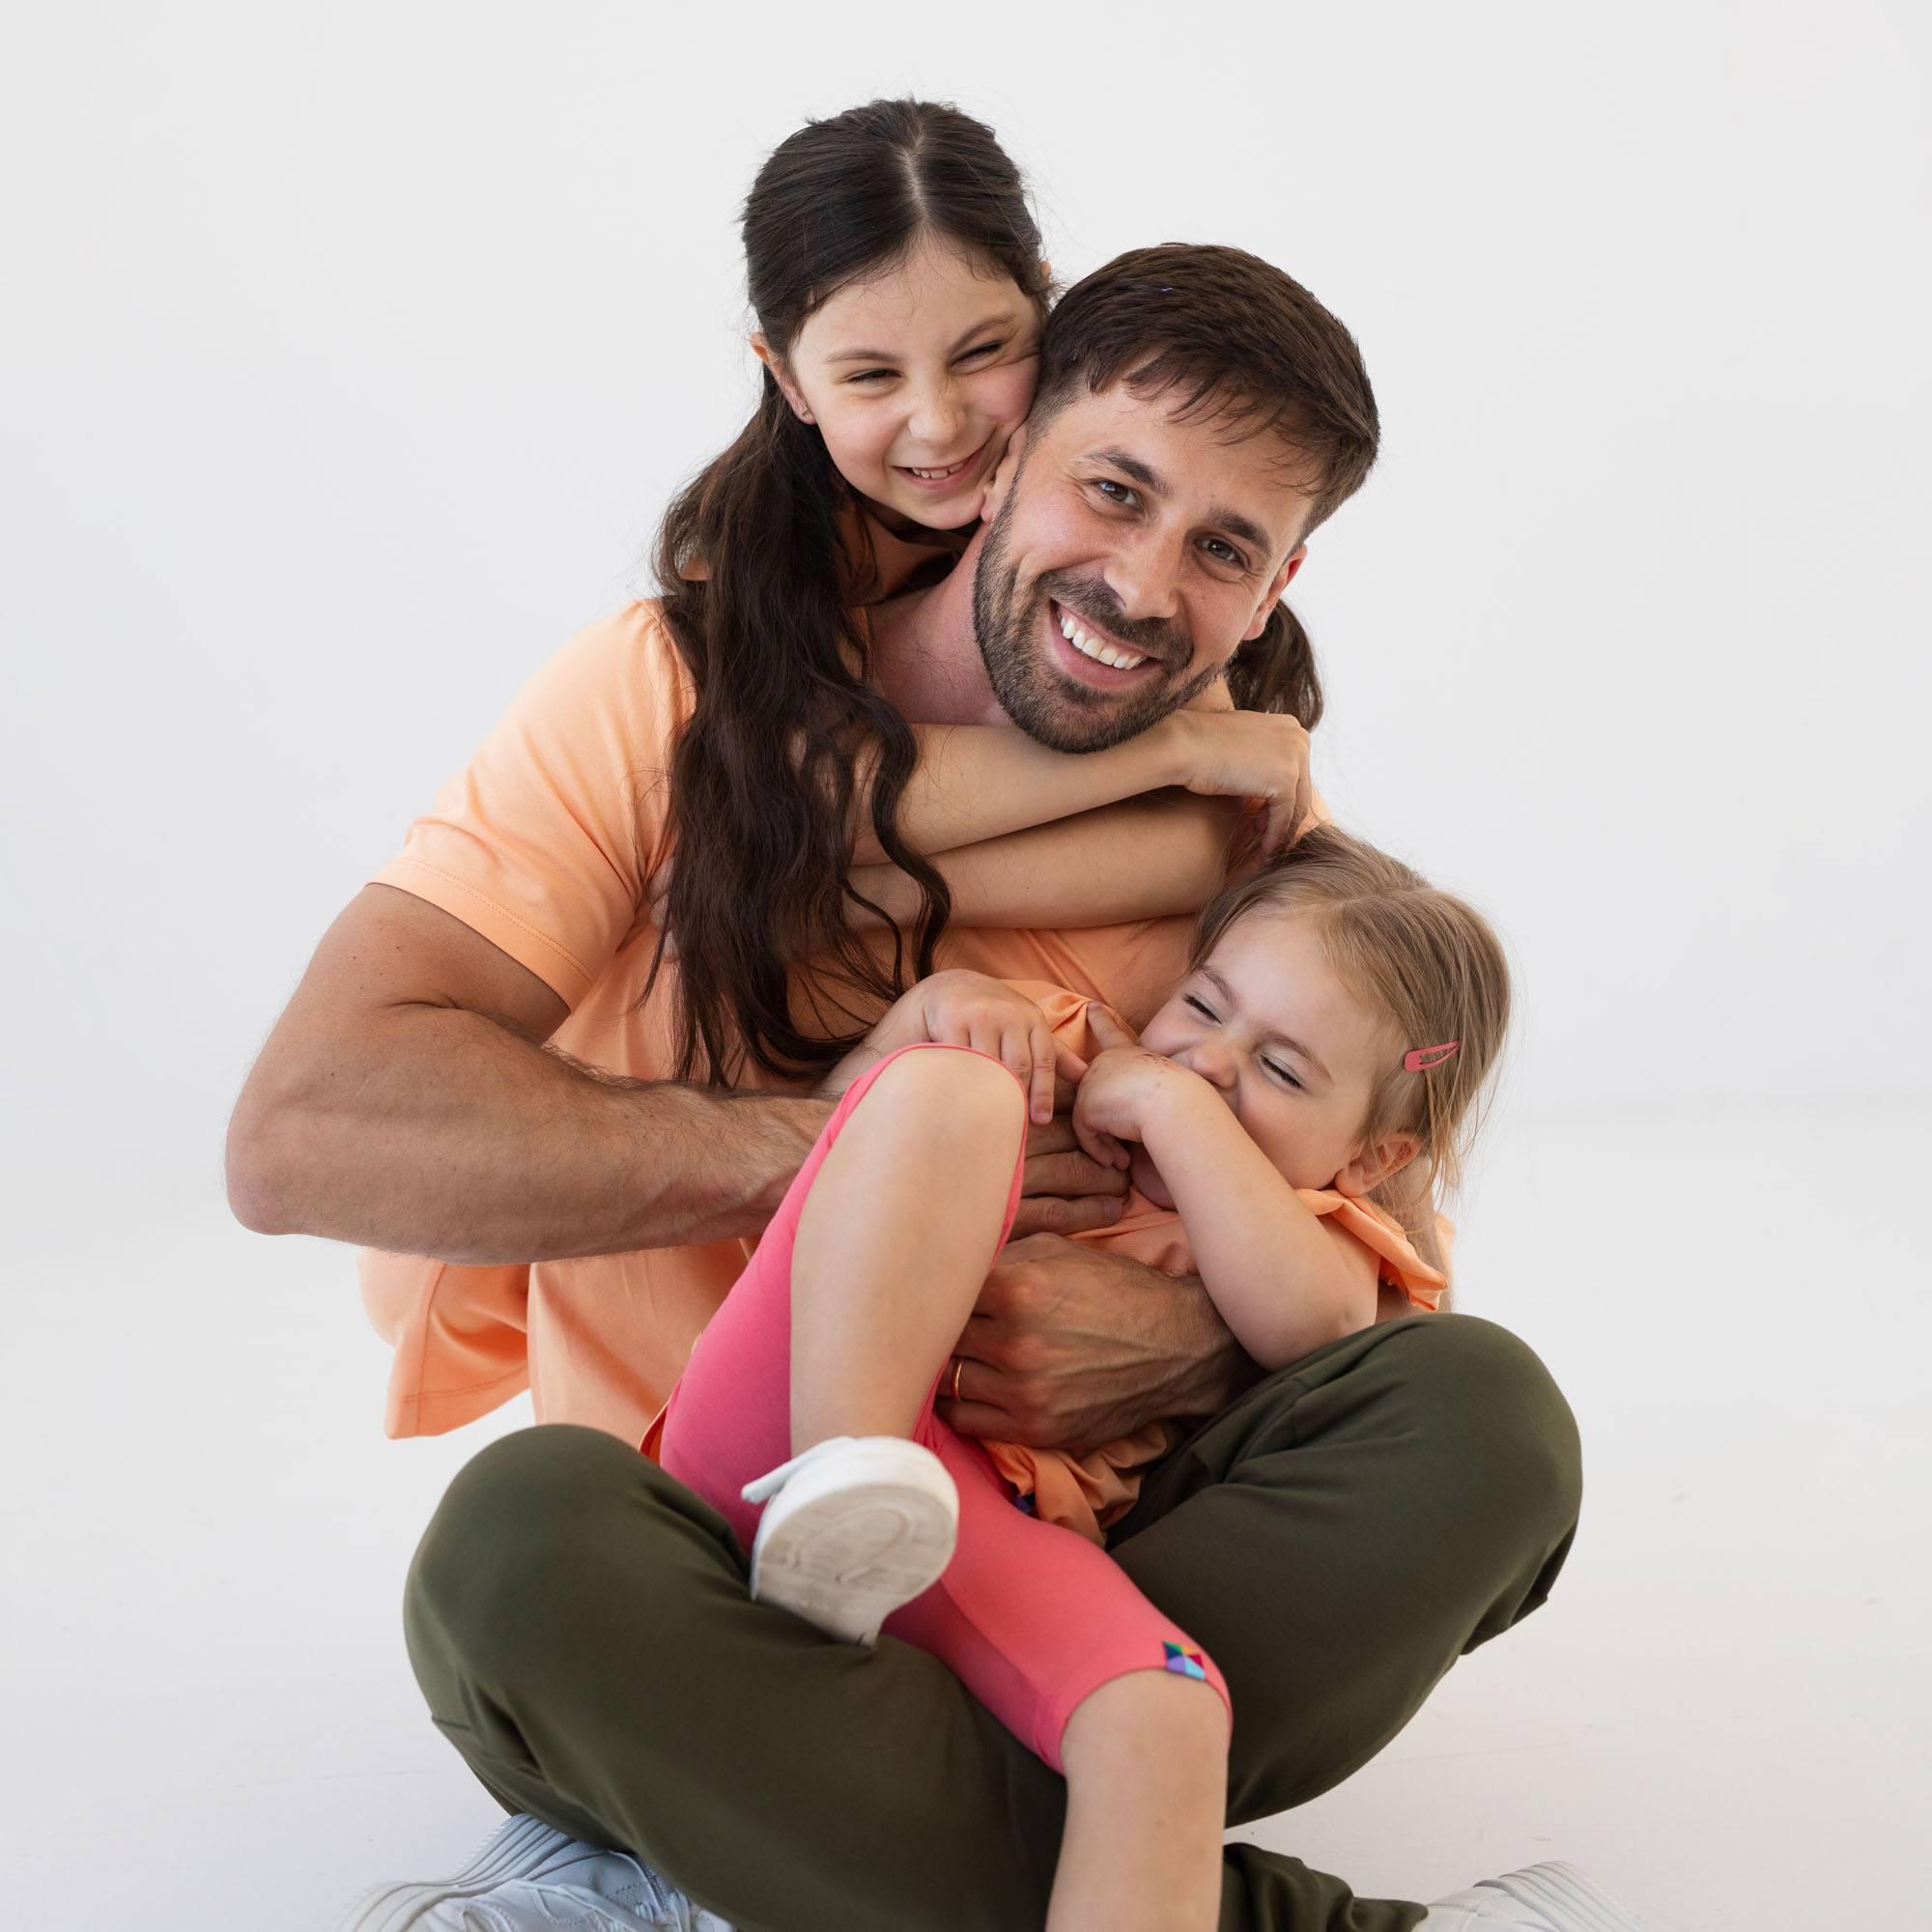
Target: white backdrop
[
  {"x": 354, "y": 351},
  {"x": 350, "y": 354}
]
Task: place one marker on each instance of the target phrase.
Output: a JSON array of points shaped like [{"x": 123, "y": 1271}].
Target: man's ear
[
  {"x": 775, "y": 362},
  {"x": 1282, "y": 578},
  {"x": 1374, "y": 1165},
  {"x": 1003, "y": 472}
]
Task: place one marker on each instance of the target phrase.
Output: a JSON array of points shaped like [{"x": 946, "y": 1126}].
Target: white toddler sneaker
[
  {"x": 1541, "y": 1898},
  {"x": 853, "y": 1527},
  {"x": 529, "y": 1878}
]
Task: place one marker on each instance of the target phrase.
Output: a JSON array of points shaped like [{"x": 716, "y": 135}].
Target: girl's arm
[
  {"x": 1278, "y": 1277},
  {"x": 976, "y": 783},
  {"x": 1145, "y": 858}
]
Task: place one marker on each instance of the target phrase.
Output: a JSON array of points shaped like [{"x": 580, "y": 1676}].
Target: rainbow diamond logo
[{"x": 1184, "y": 1663}]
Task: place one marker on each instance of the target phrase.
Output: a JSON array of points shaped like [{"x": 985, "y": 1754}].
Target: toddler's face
[
  {"x": 1266, "y": 1021},
  {"x": 917, "y": 377}
]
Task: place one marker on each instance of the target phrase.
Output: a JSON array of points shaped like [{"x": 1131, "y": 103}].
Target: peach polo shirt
[{"x": 544, "y": 843}]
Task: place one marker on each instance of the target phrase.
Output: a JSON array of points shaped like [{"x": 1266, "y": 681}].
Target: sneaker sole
[
  {"x": 845, "y": 1544},
  {"x": 518, "y": 1848},
  {"x": 1569, "y": 1901}
]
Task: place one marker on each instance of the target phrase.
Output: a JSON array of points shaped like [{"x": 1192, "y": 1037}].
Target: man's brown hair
[{"x": 1244, "y": 345}]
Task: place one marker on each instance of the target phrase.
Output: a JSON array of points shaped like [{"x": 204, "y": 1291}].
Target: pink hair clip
[{"x": 1420, "y": 1059}]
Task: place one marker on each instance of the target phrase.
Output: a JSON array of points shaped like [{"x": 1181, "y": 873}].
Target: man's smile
[{"x": 1086, "y": 648}]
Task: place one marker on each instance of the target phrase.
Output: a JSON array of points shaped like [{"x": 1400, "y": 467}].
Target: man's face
[{"x": 1129, "y": 557}]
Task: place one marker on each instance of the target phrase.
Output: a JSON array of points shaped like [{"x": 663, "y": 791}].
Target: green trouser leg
[{"x": 1336, "y": 1538}]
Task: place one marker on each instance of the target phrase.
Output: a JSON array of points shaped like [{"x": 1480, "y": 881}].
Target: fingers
[
  {"x": 1067, "y": 1214},
  {"x": 1100, "y": 1145},
  {"x": 1044, "y": 1063},
  {"x": 1068, "y": 1173},
  {"x": 976, "y": 1418},
  {"x": 1280, "y": 822},
  {"x": 1109, "y": 1029}
]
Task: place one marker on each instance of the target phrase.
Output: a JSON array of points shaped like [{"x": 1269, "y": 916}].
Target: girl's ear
[
  {"x": 780, "y": 375},
  {"x": 1374, "y": 1165},
  {"x": 1001, "y": 478}
]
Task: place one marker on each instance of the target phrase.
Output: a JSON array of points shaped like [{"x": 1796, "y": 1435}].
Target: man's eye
[
  {"x": 1224, "y": 552},
  {"x": 1115, "y": 493}
]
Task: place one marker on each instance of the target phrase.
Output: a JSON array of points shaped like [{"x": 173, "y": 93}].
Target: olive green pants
[{"x": 580, "y": 1626}]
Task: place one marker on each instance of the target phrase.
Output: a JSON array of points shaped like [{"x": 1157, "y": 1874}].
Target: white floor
[{"x": 209, "y": 1723}]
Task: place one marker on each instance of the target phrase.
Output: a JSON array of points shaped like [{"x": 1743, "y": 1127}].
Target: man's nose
[{"x": 1145, "y": 576}]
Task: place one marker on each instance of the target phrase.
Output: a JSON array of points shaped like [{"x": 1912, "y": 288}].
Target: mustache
[{"x": 1094, "y": 597}]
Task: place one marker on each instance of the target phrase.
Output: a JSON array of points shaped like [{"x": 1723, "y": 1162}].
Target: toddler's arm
[{"x": 1278, "y": 1276}]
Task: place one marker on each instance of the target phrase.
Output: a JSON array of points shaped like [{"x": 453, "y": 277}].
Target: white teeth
[{"x": 1104, "y": 654}]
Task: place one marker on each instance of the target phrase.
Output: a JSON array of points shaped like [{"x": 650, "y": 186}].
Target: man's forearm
[
  {"x": 1206, "y": 1366},
  {"x": 439, "y": 1133}
]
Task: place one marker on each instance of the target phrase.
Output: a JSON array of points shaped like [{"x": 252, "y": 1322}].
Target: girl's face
[
  {"x": 916, "y": 380},
  {"x": 1267, "y": 1023}
]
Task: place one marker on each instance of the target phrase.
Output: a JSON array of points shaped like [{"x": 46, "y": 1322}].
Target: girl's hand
[
  {"x": 1119, "y": 1090},
  {"x": 1258, "y": 754},
  {"x": 962, "y": 1009}
]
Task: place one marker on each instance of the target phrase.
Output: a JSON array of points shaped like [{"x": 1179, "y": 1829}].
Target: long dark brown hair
[{"x": 764, "y": 776}]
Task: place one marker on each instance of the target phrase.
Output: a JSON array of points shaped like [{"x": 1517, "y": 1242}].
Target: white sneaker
[
  {"x": 853, "y": 1527},
  {"x": 1542, "y": 1898},
  {"x": 529, "y": 1878}
]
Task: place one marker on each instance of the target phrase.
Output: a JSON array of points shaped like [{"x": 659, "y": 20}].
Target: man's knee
[
  {"x": 532, "y": 1532},
  {"x": 1499, "y": 1410},
  {"x": 1507, "y": 1468}
]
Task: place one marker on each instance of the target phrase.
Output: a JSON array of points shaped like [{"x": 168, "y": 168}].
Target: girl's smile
[{"x": 916, "y": 378}]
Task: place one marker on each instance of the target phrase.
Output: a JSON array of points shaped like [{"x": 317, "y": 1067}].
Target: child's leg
[
  {"x": 730, "y": 1418},
  {"x": 895, "y": 1239}
]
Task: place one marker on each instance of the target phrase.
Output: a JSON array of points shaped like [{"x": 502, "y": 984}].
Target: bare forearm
[
  {"x": 436, "y": 1131},
  {"x": 976, "y": 783},
  {"x": 1165, "y": 853}
]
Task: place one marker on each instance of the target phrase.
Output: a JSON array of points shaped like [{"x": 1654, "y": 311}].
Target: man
[{"x": 1335, "y": 1535}]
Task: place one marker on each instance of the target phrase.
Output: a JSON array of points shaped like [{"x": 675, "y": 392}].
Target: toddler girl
[{"x": 1321, "y": 1057}]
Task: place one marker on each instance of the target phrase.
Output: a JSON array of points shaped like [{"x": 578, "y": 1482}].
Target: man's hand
[
  {"x": 1063, "y": 1190},
  {"x": 1070, "y": 1347}
]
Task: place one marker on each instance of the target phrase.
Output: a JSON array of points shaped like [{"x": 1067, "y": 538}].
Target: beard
[{"x": 1050, "y": 707}]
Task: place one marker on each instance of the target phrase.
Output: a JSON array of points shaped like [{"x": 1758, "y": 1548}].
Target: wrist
[
  {"x": 1209, "y": 1366},
  {"x": 1171, "y": 742}
]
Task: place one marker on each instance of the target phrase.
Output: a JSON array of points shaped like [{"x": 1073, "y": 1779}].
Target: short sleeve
[
  {"x": 1396, "y": 1258},
  {"x": 546, "y": 840}
]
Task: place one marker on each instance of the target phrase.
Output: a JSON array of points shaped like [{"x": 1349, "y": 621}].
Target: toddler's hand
[
  {"x": 1118, "y": 1090},
  {"x": 962, "y": 1009}
]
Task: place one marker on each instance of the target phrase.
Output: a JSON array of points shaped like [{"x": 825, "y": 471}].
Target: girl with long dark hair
[{"x": 897, "y": 283}]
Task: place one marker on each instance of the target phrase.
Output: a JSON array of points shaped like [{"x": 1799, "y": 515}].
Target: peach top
[{"x": 544, "y": 843}]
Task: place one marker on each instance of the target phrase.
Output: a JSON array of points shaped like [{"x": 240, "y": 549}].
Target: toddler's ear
[{"x": 1374, "y": 1165}]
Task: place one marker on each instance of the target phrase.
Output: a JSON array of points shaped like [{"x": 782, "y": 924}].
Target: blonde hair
[{"x": 1429, "y": 962}]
